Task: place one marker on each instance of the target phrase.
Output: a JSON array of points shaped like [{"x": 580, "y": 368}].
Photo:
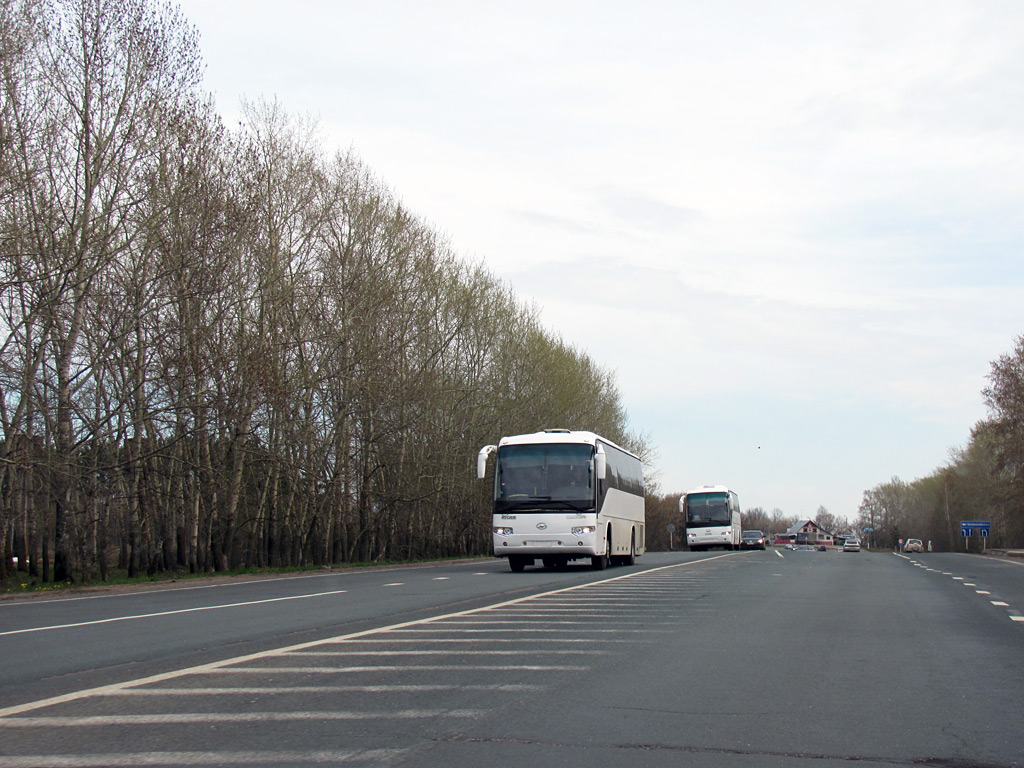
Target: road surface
[{"x": 774, "y": 658}]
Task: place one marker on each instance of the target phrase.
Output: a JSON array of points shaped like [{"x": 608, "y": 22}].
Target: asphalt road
[{"x": 776, "y": 658}]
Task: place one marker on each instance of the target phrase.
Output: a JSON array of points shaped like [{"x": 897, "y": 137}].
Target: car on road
[
  {"x": 851, "y": 545},
  {"x": 752, "y": 540},
  {"x": 913, "y": 545}
]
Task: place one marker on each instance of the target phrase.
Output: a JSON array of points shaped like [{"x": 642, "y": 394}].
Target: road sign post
[{"x": 968, "y": 527}]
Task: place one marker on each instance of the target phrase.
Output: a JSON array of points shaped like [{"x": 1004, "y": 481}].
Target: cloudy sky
[{"x": 794, "y": 229}]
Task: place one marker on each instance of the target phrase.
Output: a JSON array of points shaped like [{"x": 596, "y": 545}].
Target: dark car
[{"x": 752, "y": 540}]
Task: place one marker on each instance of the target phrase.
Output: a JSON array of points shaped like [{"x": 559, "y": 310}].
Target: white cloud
[{"x": 804, "y": 217}]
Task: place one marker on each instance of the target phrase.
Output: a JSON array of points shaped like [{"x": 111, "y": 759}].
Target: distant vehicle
[
  {"x": 561, "y": 495},
  {"x": 753, "y": 540},
  {"x": 851, "y": 545},
  {"x": 913, "y": 545},
  {"x": 712, "y": 516}
]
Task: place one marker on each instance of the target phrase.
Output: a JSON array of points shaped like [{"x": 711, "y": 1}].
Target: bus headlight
[
  {"x": 502, "y": 531},
  {"x": 582, "y": 530}
]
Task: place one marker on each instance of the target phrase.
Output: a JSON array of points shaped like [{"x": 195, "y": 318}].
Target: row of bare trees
[
  {"x": 228, "y": 349},
  {"x": 983, "y": 481}
]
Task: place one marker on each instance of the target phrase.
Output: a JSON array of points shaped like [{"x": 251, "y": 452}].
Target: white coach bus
[
  {"x": 561, "y": 495},
  {"x": 712, "y": 517}
]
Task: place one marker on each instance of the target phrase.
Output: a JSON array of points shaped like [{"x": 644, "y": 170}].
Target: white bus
[
  {"x": 712, "y": 517},
  {"x": 561, "y": 495}
]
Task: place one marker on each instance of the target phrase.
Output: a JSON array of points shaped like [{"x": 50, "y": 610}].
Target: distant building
[{"x": 808, "y": 532}]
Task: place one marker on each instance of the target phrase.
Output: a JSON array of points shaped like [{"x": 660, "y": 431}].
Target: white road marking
[
  {"x": 1000, "y": 603},
  {"x": 165, "y": 718},
  {"x": 445, "y": 651},
  {"x": 224, "y": 665},
  {"x": 143, "y": 759},
  {"x": 392, "y": 668},
  {"x": 114, "y": 619},
  {"x": 256, "y": 690}
]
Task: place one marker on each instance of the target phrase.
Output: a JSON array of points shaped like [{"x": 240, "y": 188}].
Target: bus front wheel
[
  {"x": 517, "y": 563},
  {"x": 600, "y": 562}
]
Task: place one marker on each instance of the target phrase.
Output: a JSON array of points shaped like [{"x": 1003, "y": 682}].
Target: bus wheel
[
  {"x": 600, "y": 562},
  {"x": 517, "y": 563},
  {"x": 630, "y": 559}
]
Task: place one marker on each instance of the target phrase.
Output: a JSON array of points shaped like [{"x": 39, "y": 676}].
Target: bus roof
[
  {"x": 560, "y": 436},
  {"x": 709, "y": 489}
]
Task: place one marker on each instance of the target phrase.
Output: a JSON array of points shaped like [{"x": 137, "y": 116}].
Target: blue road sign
[{"x": 967, "y": 527}]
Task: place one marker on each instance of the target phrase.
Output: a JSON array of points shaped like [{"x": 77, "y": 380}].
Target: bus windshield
[
  {"x": 703, "y": 509},
  {"x": 556, "y": 475}
]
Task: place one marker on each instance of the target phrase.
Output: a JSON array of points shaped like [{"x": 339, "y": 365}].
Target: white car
[
  {"x": 851, "y": 545},
  {"x": 913, "y": 545}
]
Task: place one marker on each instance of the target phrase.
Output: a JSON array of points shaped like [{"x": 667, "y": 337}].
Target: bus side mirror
[
  {"x": 600, "y": 464},
  {"x": 682, "y": 504},
  {"x": 481, "y": 460}
]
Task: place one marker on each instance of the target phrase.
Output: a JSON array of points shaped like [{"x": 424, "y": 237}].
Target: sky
[{"x": 794, "y": 230}]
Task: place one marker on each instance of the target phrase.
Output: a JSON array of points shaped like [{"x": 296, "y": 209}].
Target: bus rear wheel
[{"x": 630, "y": 559}]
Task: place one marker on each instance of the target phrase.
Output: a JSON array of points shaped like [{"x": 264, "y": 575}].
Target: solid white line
[
  {"x": 392, "y": 668},
  {"x": 165, "y": 718},
  {"x": 446, "y": 651},
  {"x": 506, "y": 630},
  {"x": 143, "y": 759},
  {"x": 161, "y": 590},
  {"x": 170, "y": 613},
  {"x": 306, "y": 689},
  {"x": 224, "y": 664},
  {"x": 520, "y": 622},
  {"x": 475, "y": 640}
]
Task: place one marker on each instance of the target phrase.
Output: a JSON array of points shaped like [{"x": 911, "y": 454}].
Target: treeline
[
  {"x": 232, "y": 348},
  {"x": 983, "y": 481}
]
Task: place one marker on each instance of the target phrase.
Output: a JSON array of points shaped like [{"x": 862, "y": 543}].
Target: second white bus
[
  {"x": 562, "y": 495},
  {"x": 712, "y": 517}
]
